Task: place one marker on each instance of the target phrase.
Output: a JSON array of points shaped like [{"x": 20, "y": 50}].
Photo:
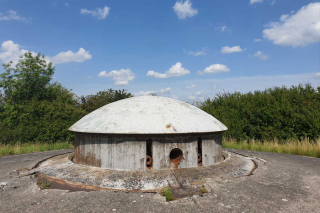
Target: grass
[
  {"x": 44, "y": 183},
  {"x": 18, "y": 148},
  {"x": 203, "y": 189},
  {"x": 296, "y": 147},
  {"x": 168, "y": 194}
]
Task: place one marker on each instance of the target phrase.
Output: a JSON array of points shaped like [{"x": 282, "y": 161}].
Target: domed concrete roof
[{"x": 148, "y": 115}]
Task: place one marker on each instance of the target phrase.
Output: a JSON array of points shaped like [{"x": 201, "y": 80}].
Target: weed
[
  {"x": 203, "y": 189},
  {"x": 44, "y": 183},
  {"x": 168, "y": 194}
]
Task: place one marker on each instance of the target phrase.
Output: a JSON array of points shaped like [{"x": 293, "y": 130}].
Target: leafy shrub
[{"x": 278, "y": 112}]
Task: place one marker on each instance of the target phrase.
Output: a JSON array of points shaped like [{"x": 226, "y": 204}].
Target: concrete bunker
[{"x": 148, "y": 133}]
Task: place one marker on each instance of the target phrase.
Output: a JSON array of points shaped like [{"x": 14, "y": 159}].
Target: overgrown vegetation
[
  {"x": 43, "y": 183},
  {"x": 18, "y": 148},
  {"x": 34, "y": 109},
  {"x": 168, "y": 194},
  {"x": 279, "y": 112},
  {"x": 291, "y": 146}
]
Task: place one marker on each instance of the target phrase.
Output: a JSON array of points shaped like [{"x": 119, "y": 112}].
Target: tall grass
[
  {"x": 24, "y": 148},
  {"x": 296, "y": 147}
]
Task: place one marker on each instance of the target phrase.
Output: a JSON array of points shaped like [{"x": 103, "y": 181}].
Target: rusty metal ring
[
  {"x": 149, "y": 160},
  {"x": 199, "y": 158}
]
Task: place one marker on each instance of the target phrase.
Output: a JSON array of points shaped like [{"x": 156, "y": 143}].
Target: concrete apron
[{"x": 62, "y": 173}]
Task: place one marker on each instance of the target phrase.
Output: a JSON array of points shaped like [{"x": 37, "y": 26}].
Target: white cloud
[
  {"x": 214, "y": 87},
  {"x": 317, "y": 74},
  {"x": 299, "y": 29},
  {"x": 89, "y": 77},
  {"x": 149, "y": 93},
  {"x": 143, "y": 93},
  {"x": 175, "y": 71},
  {"x": 192, "y": 87},
  {"x": 203, "y": 52},
  {"x": 184, "y": 9},
  {"x": 11, "y": 52},
  {"x": 122, "y": 77},
  {"x": 12, "y": 15},
  {"x": 101, "y": 13},
  {"x": 273, "y": 2},
  {"x": 165, "y": 91},
  {"x": 192, "y": 97},
  {"x": 257, "y": 40},
  {"x": 234, "y": 49},
  {"x": 199, "y": 92},
  {"x": 66, "y": 4},
  {"x": 69, "y": 56},
  {"x": 222, "y": 29},
  {"x": 261, "y": 55},
  {"x": 214, "y": 68},
  {"x": 255, "y": 1}
]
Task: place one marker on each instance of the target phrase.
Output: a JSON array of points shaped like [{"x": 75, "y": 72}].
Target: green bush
[
  {"x": 32, "y": 109},
  {"x": 278, "y": 112}
]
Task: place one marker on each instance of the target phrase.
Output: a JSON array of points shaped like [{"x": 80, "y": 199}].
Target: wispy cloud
[
  {"x": 255, "y": 1},
  {"x": 192, "y": 87},
  {"x": 221, "y": 28},
  {"x": 100, "y": 13},
  {"x": 257, "y": 40},
  {"x": 13, "y": 15},
  {"x": 162, "y": 92},
  {"x": 261, "y": 55},
  {"x": 203, "y": 52}
]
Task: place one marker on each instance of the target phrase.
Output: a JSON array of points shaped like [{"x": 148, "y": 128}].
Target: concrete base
[
  {"x": 281, "y": 183},
  {"x": 62, "y": 172}
]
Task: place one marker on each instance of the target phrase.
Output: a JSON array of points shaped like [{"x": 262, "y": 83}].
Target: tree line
[
  {"x": 35, "y": 109},
  {"x": 279, "y": 112}
]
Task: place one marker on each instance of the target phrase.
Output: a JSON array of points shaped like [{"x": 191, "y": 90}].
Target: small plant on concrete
[
  {"x": 168, "y": 194},
  {"x": 203, "y": 189},
  {"x": 44, "y": 183}
]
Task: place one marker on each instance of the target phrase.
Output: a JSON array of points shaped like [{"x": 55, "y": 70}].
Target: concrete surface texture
[
  {"x": 63, "y": 171},
  {"x": 148, "y": 115},
  {"x": 130, "y": 152},
  {"x": 281, "y": 183}
]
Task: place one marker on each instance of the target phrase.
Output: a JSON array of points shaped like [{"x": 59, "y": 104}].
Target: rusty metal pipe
[
  {"x": 149, "y": 160},
  {"x": 199, "y": 158}
]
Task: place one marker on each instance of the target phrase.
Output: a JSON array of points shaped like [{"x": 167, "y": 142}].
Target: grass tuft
[
  {"x": 295, "y": 147},
  {"x": 168, "y": 194},
  {"x": 203, "y": 189},
  {"x": 18, "y": 148}
]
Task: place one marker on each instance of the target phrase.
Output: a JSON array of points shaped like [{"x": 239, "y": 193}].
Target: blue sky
[{"x": 189, "y": 50}]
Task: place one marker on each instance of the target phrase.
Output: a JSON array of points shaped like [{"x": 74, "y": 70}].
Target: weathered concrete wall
[
  {"x": 128, "y": 152},
  {"x": 109, "y": 151},
  {"x": 211, "y": 149},
  {"x": 162, "y": 147}
]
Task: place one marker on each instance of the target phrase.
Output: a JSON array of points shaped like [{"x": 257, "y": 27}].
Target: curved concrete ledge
[{"x": 62, "y": 171}]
